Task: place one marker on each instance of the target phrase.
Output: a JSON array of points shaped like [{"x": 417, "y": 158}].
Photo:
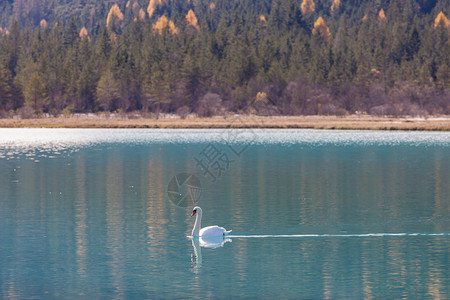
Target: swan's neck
[
  {"x": 197, "y": 224},
  {"x": 197, "y": 253}
]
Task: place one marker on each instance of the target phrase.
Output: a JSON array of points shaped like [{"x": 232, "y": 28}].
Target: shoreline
[{"x": 355, "y": 122}]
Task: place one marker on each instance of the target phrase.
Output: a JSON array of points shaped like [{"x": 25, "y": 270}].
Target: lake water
[{"x": 315, "y": 214}]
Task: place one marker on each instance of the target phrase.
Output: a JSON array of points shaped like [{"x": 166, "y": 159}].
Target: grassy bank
[{"x": 441, "y": 123}]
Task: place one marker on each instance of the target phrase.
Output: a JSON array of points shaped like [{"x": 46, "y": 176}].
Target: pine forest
[{"x": 213, "y": 57}]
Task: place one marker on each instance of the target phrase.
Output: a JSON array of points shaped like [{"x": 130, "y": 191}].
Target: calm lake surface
[{"x": 315, "y": 214}]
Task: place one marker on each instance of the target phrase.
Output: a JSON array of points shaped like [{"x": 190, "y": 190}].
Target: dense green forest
[{"x": 210, "y": 57}]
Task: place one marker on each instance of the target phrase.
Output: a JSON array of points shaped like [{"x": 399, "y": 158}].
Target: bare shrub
[
  {"x": 183, "y": 111},
  {"x": 446, "y": 102},
  {"x": 304, "y": 97},
  {"x": 440, "y": 103},
  {"x": 26, "y": 112},
  {"x": 376, "y": 95},
  {"x": 4, "y": 114},
  {"x": 416, "y": 110},
  {"x": 382, "y": 110},
  {"x": 67, "y": 111},
  {"x": 134, "y": 115},
  {"x": 209, "y": 105},
  {"x": 292, "y": 95},
  {"x": 331, "y": 110}
]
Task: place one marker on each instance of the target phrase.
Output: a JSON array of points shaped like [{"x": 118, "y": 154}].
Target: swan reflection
[{"x": 211, "y": 242}]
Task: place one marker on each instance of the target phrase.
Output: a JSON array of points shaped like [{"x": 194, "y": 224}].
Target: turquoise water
[{"x": 315, "y": 214}]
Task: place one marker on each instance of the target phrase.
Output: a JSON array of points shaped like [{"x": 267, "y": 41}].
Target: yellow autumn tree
[
  {"x": 381, "y": 15},
  {"x": 114, "y": 13},
  {"x": 262, "y": 19},
  {"x": 261, "y": 97},
  {"x": 142, "y": 14},
  {"x": 43, "y": 24},
  {"x": 152, "y": 6},
  {"x": 441, "y": 18},
  {"x": 321, "y": 28},
  {"x": 308, "y": 7},
  {"x": 263, "y": 22},
  {"x": 191, "y": 19},
  {"x": 84, "y": 33},
  {"x": 212, "y": 6},
  {"x": 335, "y": 6},
  {"x": 164, "y": 23}
]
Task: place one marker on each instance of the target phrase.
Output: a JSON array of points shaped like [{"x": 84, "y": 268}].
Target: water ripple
[
  {"x": 344, "y": 235},
  {"x": 43, "y": 142}
]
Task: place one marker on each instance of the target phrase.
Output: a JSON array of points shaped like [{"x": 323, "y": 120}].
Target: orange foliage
[
  {"x": 263, "y": 22},
  {"x": 308, "y": 7},
  {"x": 364, "y": 18},
  {"x": 164, "y": 23},
  {"x": 212, "y": 6},
  {"x": 114, "y": 12},
  {"x": 321, "y": 28},
  {"x": 441, "y": 18},
  {"x": 142, "y": 14},
  {"x": 128, "y": 4},
  {"x": 43, "y": 24},
  {"x": 4, "y": 31},
  {"x": 192, "y": 19},
  {"x": 84, "y": 33},
  {"x": 335, "y": 6},
  {"x": 262, "y": 19},
  {"x": 381, "y": 15},
  {"x": 152, "y": 6},
  {"x": 375, "y": 71}
]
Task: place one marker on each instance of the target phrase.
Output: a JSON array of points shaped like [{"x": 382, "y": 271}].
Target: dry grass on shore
[{"x": 441, "y": 123}]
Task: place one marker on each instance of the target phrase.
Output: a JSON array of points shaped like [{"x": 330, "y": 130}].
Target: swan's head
[{"x": 196, "y": 210}]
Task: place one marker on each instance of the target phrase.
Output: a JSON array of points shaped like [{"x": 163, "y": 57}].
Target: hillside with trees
[{"x": 210, "y": 57}]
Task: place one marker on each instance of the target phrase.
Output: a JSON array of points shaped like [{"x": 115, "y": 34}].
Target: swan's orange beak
[{"x": 193, "y": 213}]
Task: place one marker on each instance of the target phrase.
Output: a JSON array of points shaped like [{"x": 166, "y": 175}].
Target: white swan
[{"x": 207, "y": 231}]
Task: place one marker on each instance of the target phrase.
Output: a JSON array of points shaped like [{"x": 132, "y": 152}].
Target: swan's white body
[
  {"x": 206, "y": 231},
  {"x": 213, "y": 241}
]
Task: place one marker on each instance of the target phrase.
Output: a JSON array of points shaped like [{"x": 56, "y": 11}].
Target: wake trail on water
[{"x": 343, "y": 235}]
